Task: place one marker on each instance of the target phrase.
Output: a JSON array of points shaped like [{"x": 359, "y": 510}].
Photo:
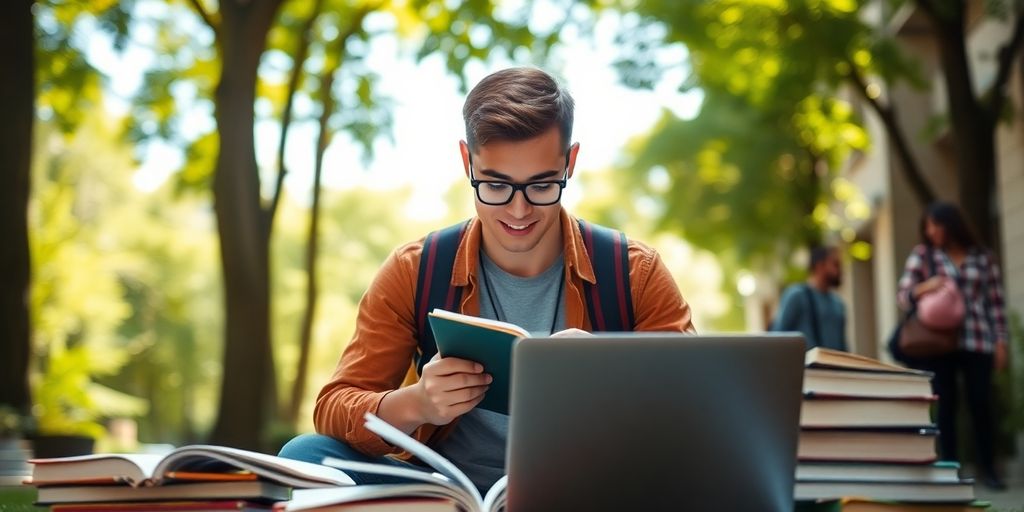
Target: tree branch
[
  {"x": 301, "y": 53},
  {"x": 997, "y": 95},
  {"x": 206, "y": 16},
  {"x": 328, "y": 107},
  {"x": 928, "y": 8},
  {"x": 911, "y": 170}
]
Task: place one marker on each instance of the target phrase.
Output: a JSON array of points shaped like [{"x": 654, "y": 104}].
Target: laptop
[{"x": 651, "y": 422}]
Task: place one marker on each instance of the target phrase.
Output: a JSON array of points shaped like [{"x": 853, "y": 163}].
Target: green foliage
[
  {"x": 14, "y": 423},
  {"x": 67, "y": 84},
  {"x": 68, "y": 402},
  {"x": 76, "y": 298},
  {"x": 1008, "y": 385},
  {"x": 752, "y": 176},
  {"x": 698, "y": 273}
]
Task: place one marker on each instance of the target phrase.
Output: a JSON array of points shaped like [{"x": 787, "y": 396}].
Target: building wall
[
  {"x": 893, "y": 227},
  {"x": 1010, "y": 139}
]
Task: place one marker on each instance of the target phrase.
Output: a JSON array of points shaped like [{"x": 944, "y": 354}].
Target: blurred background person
[
  {"x": 812, "y": 307},
  {"x": 983, "y": 337}
]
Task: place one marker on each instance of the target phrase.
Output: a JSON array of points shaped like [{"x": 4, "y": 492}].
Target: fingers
[
  {"x": 450, "y": 388},
  {"x": 451, "y": 365},
  {"x": 440, "y": 408},
  {"x": 445, "y": 383},
  {"x": 571, "y": 332}
]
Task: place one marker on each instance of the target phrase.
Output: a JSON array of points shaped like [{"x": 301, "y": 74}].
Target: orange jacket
[{"x": 379, "y": 357}]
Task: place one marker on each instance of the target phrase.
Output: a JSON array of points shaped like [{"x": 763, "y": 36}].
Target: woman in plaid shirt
[{"x": 983, "y": 339}]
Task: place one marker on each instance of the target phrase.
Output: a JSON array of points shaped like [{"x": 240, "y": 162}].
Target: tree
[
  {"x": 333, "y": 57},
  {"x": 974, "y": 118},
  {"x": 39, "y": 60},
  {"x": 757, "y": 189},
  {"x": 17, "y": 93},
  {"x": 775, "y": 55},
  {"x": 242, "y": 226},
  {"x": 244, "y": 218}
]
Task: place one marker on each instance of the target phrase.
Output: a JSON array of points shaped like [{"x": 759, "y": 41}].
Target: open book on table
[
  {"x": 194, "y": 463},
  {"x": 485, "y": 341},
  {"x": 447, "y": 483}
]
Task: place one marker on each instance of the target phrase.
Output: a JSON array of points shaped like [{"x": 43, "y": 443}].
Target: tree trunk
[
  {"x": 312, "y": 244},
  {"x": 328, "y": 107},
  {"x": 17, "y": 95},
  {"x": 248, "y": 395},
  {"x": 298, "y": 61},
  {"x": 887, "y": 113},
  {"x": 972, "y": 129}
]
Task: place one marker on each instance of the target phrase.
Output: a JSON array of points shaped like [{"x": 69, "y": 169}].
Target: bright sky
[{"x": 427, "y": 114}]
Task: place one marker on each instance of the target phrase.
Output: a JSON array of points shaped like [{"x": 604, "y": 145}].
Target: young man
[
  {"x": 522, "y": 259},
  {"x": 812, "y": 308}
]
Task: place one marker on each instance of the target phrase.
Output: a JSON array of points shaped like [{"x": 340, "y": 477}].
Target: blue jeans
[{"x": 315, "y": 447}]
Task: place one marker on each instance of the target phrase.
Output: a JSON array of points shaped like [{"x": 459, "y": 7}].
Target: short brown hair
[{"x": 516, "y": 104}]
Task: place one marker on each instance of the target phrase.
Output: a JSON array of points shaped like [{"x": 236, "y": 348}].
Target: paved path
[{"x": 1011, "y": 500}]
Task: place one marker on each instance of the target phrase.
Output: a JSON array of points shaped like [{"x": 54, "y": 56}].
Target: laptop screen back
[{"x": 654, "y": 422}]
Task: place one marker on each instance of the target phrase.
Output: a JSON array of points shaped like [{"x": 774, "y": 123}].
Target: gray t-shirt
[
  {"x": 477, "y": 443},
  {"x": 797, "y": 314}
]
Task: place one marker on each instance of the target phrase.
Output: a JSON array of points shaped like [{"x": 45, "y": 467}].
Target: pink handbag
[{"x": 942, "y": 308}]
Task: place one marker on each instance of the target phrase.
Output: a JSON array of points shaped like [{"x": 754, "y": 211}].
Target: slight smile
[{"x": 517, "y": 229}]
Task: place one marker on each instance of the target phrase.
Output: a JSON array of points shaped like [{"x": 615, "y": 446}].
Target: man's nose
[{"x": 519, "y": 207}]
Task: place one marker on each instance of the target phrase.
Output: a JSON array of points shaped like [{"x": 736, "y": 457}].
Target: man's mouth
[{"x": 517, "y": 229}]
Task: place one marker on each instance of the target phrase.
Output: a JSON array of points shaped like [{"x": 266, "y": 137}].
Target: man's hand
[
  {"x": 449, "y": 388},
  {"x": 572, "y": 332}
]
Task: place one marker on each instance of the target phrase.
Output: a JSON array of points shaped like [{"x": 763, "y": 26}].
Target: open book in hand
[
  {"x": 448, "y": 482},
  {"x": 195, "y": 463},
  {"x": 485, "y": 341}
]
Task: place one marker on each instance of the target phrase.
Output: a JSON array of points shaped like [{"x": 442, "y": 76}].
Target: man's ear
[
  {"x": 573, "y": 151},
  {"x": 464, "y": 150}
]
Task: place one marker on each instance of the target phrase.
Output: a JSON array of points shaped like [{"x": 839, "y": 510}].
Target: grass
[{"x": 15, "y": 499}]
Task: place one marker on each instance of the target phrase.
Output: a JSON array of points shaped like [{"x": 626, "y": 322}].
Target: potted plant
[{"x": 69, "y": 405}]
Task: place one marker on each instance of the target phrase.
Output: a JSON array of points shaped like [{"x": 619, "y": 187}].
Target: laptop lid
[{"x": 655, "y": 422}]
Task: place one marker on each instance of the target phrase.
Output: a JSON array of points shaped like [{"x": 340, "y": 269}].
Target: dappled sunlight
[{"x": 171, "y": 228}]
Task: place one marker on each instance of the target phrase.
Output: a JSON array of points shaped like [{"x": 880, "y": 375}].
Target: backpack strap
[
  {"x": 815, "y": 326},
  {"x": 609, "y": 301},
  {"x": 433, "y": 285}
]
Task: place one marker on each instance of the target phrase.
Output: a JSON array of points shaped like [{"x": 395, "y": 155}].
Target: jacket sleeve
[
  {"x": 377, "y": 358},
  {"x": 657, "y": 304}
]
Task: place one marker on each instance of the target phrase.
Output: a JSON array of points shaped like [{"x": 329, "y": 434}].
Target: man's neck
[{"x": 531, "y": 263}]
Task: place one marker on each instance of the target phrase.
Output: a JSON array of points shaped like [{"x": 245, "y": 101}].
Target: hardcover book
[{"x": 488, "y": 342}]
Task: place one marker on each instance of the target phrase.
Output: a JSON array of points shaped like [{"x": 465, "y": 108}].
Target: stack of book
[
  {"x": 14, "y": 468},
  {"x": 866, "y": 432},
  {"x": 194, "y": 478}
]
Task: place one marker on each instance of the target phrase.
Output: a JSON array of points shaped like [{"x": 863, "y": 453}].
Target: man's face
[
  {"x": 519, "y": 230},
  {"x": 833, "y": 269}
]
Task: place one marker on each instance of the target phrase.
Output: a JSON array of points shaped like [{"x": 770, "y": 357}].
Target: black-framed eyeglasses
[{"x": 537, "y": 193}]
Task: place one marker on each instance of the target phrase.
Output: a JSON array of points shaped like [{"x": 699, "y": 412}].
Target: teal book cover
[{"x": 488, "y": 342}]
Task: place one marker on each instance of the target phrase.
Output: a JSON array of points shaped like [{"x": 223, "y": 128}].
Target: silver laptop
[{"x": 655, "y": 422}]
